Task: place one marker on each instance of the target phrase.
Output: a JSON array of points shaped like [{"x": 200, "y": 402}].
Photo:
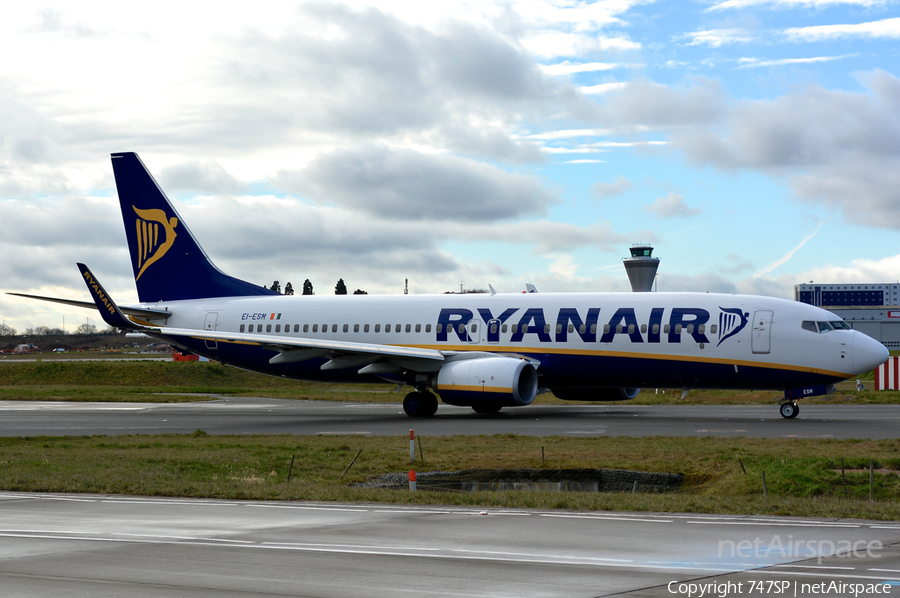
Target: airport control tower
[{"x": 641, "y": 268}]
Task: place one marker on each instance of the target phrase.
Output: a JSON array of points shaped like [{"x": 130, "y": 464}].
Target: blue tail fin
[{"x": 169, "y": 264}]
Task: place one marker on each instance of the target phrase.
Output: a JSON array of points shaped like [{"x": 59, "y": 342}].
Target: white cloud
[
  {"x": 715, "y": 38},
  {"x": 409, "y": 185},
  {"x": 884, "y": 29},
  {"x": 672, "y": 206},
  {"x": 819, "y": 4},
  {"x": 746, "y": 63},
  {"x": 603, "y": 88},
  {"x": 837, "y": 149},
  {"x": 620, "y": 186},
  {"x": 567, "y": 68}
]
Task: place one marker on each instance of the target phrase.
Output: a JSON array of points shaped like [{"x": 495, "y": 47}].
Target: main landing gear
[
  {"x": 420, "y": 404},
  {"x": 487, "y": 408},
  {"x": 789, "y": 409}
]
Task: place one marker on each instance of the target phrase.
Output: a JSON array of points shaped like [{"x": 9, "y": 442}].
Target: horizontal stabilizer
[{"x": 129, "y": 311}]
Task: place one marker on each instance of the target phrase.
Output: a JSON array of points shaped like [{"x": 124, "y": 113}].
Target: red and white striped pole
[
  {"x": 412, "y": 446},
  {"x": 412, "y": 480}
]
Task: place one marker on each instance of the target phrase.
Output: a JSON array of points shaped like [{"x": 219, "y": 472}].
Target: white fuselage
[{"x": 694, "y": 340}]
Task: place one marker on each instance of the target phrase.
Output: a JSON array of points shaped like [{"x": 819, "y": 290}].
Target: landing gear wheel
[
  {"x": 789, "y": 410},
  {"x": 487, "y": 408},
  {"x": 420, "y": 404}
]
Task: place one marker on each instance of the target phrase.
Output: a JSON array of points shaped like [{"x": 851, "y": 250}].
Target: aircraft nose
[{"x": 867, "y": 353}]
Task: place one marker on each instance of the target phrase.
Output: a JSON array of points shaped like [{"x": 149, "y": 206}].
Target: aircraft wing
[
  {"x": 130, "y": 311},
  {"x": 291, "y": 349}
]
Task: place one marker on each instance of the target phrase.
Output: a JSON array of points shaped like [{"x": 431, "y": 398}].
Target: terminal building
[{"x": 871, "y": 308}]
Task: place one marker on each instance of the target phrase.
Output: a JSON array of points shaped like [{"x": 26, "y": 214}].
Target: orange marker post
[
  {"x": 412, "y": 446},
  {"x": 412, "y": 480}
]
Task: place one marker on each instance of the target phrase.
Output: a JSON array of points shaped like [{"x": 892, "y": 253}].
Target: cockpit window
[{"x": 823, "y": 327}]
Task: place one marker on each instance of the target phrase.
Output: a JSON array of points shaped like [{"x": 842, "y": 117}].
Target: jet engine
[
  {"x": 595, "y": 394},
  {"x": 494, "y": 381}
]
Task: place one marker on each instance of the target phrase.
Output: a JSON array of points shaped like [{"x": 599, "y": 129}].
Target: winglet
[{"x": 110, "y": 312}]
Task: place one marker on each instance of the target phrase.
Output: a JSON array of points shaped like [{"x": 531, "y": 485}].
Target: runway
[
  {"x": 94, "y": 545},
  {"x": 272, "y": 416}
]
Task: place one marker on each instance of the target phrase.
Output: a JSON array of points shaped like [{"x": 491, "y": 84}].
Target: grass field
[{"x": 803, "y": 476}]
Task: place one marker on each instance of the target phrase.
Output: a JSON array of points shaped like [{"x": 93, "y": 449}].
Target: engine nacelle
[
  {"x": 595, "y": 394},
  {"x": 501, "y": 381}
]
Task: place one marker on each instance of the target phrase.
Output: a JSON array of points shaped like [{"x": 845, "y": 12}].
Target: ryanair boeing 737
[{"x": 478, "y": 350}]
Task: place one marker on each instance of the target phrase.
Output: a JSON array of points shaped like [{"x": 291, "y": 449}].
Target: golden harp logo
[{"x": 150, "y": 244}]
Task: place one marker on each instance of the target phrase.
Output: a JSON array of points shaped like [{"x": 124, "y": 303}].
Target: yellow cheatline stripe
[
  {"x": 533, "y": 351},
  {"x": 465, "y": 388},
  {"x": 142, "y": 322}
]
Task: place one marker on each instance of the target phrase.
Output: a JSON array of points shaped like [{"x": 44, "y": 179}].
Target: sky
[{"x": 754, "y": 143}]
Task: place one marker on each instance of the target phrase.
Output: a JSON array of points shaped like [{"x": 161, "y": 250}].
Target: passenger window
[
  {"x": 677, "y": 328},
  {"x": 643, "y": 329},
  {"x": 631, "y": 329},
  {"x": 418, "y": 328},
  {"x": 259, "y": 327},
  {"x": 356, "y": 328},
  {"x": 397, "y": 328},
  {"x": 277, "y": 327},
  {"x": 690, "y": 329},
  {"x": 606, "y": 329},
  {"x": 546, "y": 328},
  {"x": 268, "y": 328},
  {"x": 667, "y": 328},
  {"x": 334, "y": 327},
  {"x": 581, "y": 329},
  {"x": 306, "y": 328},
  {"x": 514, "y": 328},
  {"x": 366, "y": 328},
  {"x": 377, "y": 327},
  {"x": 701, "y": 328},
  {"x": 346, "y": 328},
  {"x": 593, "y": 329},
  {"x": 315, "y": 327},
  {"x": 408, "y": 328},
  {"x": 504, "y": 328},
  {"x": 619, "y": 329},
  {"x": 462, "y": 328},
  {"x": 713, "y": 328},
  {"x": 655, "y": 329},
  {"x": 242, "y": 327},
  {"x": 439, "y": 328},
  {"x": 387, "y": 327},
  {"x": 493, "y": 328},
  {"x": 811, "y": 326},
  {"x": 427, "y": 327},
  {"x": 474, "y": 327}
]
